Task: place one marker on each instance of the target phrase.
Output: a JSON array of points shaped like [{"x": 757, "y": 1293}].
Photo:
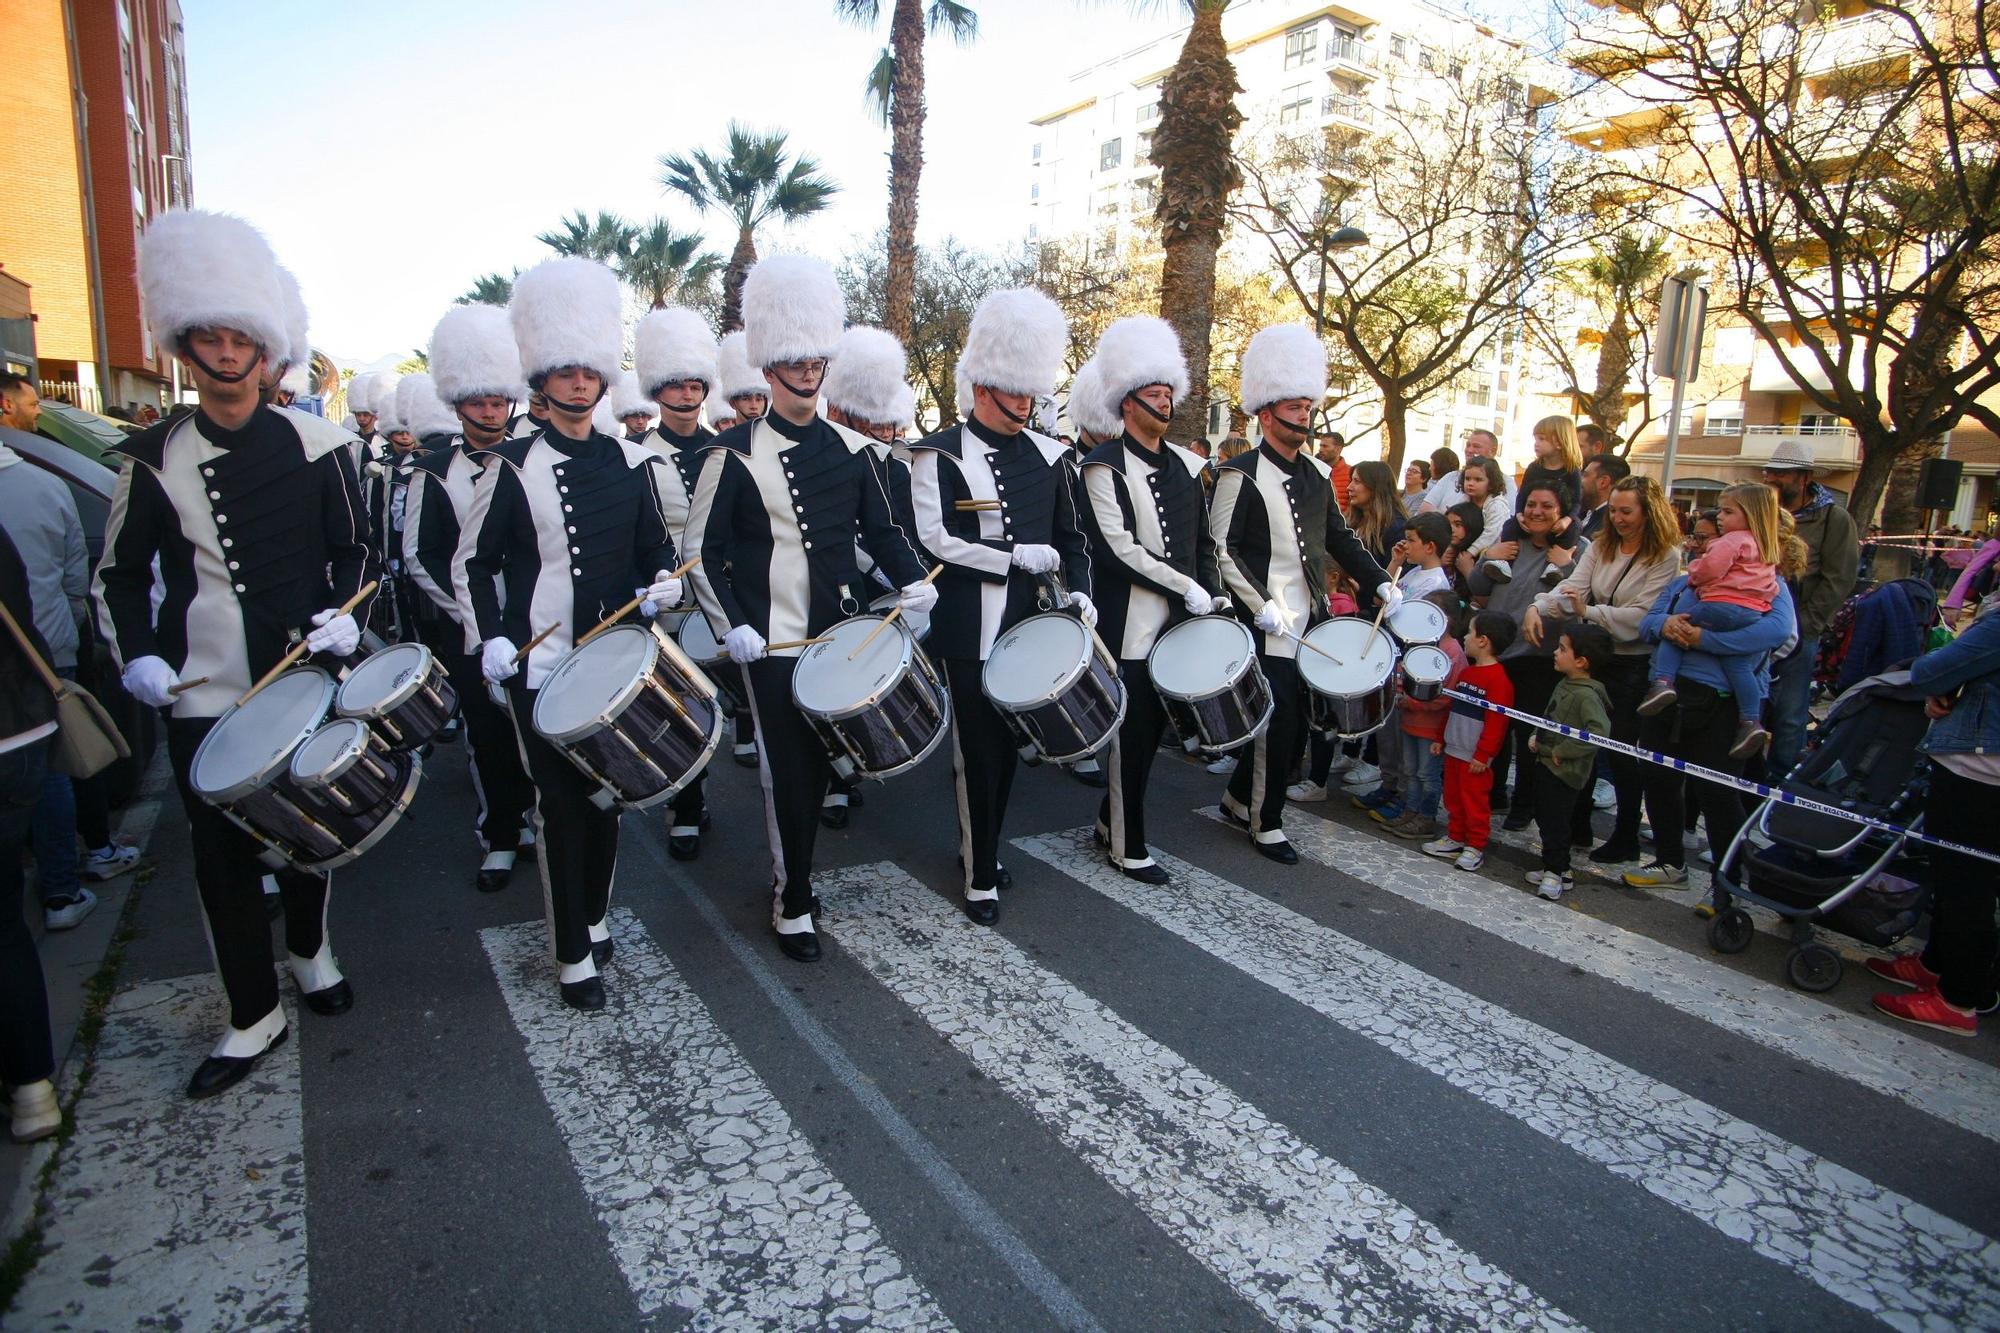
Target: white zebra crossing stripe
[
  {"x": 1963, "y": 1092},
  {"x": 1876, "y": 1249},
  {"x": 715, "y": 1205},
  {"x": 168, "y": 1213},
  {"x": 1295, "y": 1233}
]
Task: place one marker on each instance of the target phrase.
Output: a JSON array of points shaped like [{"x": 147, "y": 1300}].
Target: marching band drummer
[
  {"x": 747, "y": 397},
  {"x": 1154, "y": 557},
  {"x": 477, "y": 369},
  {"x": 674, "y": 354},
  {"x": 1025, "y": 527},
  {"x": 361, "y": 404},
  {"x": 254, "y": 516},
  {"x": 776, "y": 513},
  {"x": 1276, "y": 526},
  {"x": 561, "y": 527}
]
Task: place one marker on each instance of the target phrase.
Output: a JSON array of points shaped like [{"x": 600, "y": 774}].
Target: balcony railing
[
  {"x": 1350, "y": 109},
  {"x": 1348, "y": 51}
]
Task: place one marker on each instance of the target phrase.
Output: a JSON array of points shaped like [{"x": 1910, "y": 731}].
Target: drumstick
[
  {"x": 630, "y": 606},
  {"x": 536, "y": 642},
  {"x": 298, "y": 649},
  {"x": 1376, "y": 628},
  {"x": 895, "y": 613},
  {"x": 796, "y": 643},
  {"x": 184, "y": 686},
  {"x": 966, "y": 506},
  {"x": 1300, "y": 640}
]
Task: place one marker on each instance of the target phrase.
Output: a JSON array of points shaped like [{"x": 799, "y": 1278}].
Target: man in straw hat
[
  {"x": 477, "y": 369},
  {"x": 996, "y": 556},
  {"x": 1276, "y": 529},
  {"x": 1833, "y": 562},
  {"x": 778, "y": 509},
  {"x": 1154, "y": 557},
  {"x": 562, "y": 526},
  {"x": 253, "y": 514}
]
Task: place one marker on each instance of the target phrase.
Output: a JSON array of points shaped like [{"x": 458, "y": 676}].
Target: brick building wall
[{"x": 43, "y": 241}]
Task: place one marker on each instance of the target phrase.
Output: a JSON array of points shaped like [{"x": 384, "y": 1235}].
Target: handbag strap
[{"x": 48, "y": 677}]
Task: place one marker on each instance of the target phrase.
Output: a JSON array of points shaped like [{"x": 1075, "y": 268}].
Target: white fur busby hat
[
  {"x": 361, "y": 392},
  {"x": 1087, "y": 406},
  {"x": 209, "y": 270},
  {"x": 734, "y": 373},
  {"x": 793, "y": 310},
  {"x": 297, "y": 379},
  {"x": 628, "y": 399},
  {"x": 1283, "y": 361},
  {"x": 298, "y": 346},
  {"x": 868, "y": 378},
  {"x": 603, "y": 421},
  {"x": 1015, "y": 345},
  {"x": 387, "y": 419},
  {"x": 419, "y": 410},
  {"x": 567, "y": 312},
  {"x": 671, "y": 345},
  {"x": 1135, "y": 352},
  {"x": 473, "y": 353}
]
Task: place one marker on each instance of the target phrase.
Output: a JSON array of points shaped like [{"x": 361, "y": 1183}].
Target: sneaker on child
[
  {"x": 1471, "y": 858},
  {"x": 1447, "y": 847},
  {"x": 1307, "y": 790},
  {"x": 68, "y": 913},
  {"x": 109, "y": 862},
  {"x": 1658, "y": 875},
  {"x": 1361, "y": 775},
  {"x": 1224, "y": 765}
]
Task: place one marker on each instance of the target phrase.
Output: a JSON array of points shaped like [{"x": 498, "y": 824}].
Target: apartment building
[{"x": 95, "y": 104}]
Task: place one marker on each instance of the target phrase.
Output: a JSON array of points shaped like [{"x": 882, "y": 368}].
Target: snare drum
[
  {"x": 699, "y": 645},
  {"x": 918, "y": 621},
  {"x": 632, "y": 713},
  {"x": 1059, "y": 696},
  {"x": 243, "y": 766},
  {"x": 1417, "y": 621},
  {"x": 1424, "y": 671},
  {"x": 1350, "y": 682},
  {"x": 355, "y": 787},
  {"x": 402, "y": 693},
  {"x": 879, "y": 714},
  {"x": 1206, "y": 673}
]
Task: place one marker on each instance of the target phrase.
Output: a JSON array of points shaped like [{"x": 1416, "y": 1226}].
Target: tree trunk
[
  {"x": 1878, "y": 460},
  {"x": 1194, "y": 148},
  {"x": 1606, "y": 405},
  {"x": 906, "y": 162},
  {"x": 740, "y": 261},
  {"x": 1395, "y": 430},
  {"x": 1899, "y": 497}
]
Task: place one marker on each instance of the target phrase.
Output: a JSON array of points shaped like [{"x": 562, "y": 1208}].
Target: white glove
[
  {"x": 743, "y": 644},
  {"x": 1390, "y": 596},
  {"x": 496, "y": 659},
  {"x": 337, "y": 633},
  {"x": 1196, "y": 599},
  {"x": 1037, "y": 559},
  {"x": 150, "y": 680},
  {"x": 1220, "y": 605},
  {"x": 918, "y": 598},
  {"x": 1271, "y": 619},
  {"x": 663, "y": 592},
  {"x": 1086, "y": 610}
]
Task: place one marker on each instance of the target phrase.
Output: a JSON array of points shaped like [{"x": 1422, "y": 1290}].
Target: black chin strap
[
  {"x": 790, "y": 387},
  {"x": 1019, "y": 419},
  {"x": 217, "y": 375},
  {"x": 1302, "y": 429},
  {"x": 1162, "y": 417},
  {"x": 686, "y": 411}
]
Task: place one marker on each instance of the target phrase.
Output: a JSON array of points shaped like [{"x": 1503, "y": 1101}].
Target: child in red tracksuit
[
  {"x": 1472, "y": 737},
  {"x": 1422, "y": 722}
]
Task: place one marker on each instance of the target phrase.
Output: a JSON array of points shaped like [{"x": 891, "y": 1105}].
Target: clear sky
[{"x": 394, "y": 150}]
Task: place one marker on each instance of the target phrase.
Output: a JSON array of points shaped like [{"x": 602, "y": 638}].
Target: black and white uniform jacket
[
  {"x": 1147, "y": 516},
  {"x": 255, "y": 530},
  {"x": 361, "y": 451},
  {"x": 677, "y": 483},
  {"x": 895, "y": 461},
  {"x": 981, "y": 594},
  {"x": 559, "y": 532},
  {"x": 775, "y": 519},
  {"x": 439, "y": 495},
  {"x": 1276, "y": 527}
]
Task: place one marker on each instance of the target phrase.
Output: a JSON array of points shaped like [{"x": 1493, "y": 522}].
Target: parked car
[{"x": 89, "y": 433}]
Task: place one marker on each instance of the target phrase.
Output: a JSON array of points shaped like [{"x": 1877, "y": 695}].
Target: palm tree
[
  {"x": 491, "y": 289},
  {"x": 1617, "y": 276},
  {"x": 606, "y": 238},
  {"x": 896, "y": 88},
  {"x": 1194, "y": 147},
  {"x": 753, "y": 181},
  {"x": 417, "y": 360},
  {"x": 662, "y": 264}
]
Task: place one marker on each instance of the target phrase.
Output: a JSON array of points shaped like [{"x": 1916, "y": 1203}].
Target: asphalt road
[{"x": 1366, "y": 1092}]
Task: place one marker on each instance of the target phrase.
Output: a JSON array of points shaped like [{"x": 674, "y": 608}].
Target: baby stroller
[{"x": 1821, "y": 870}]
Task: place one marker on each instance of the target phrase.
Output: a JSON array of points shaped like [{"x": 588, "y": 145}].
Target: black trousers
[
  {"x": 493, "y": 754},
  {"x": 690, "y": 803},
  {"x": 1699, "y": 729},
  {"x": 27, "y": 1054},
  {"x": 1625, "y": 681},
  {"x": 792, "y": 765},
  {"x": 229, "y": 875},
  {"x": 1534, "y": 680},
  {"x": 983, "y": 758},
  {"x": 1963, "y": 939},
  {"x": 1556, "y": 806},
  {"x": 1265, "y": 768},
  {"x": 1128, "y": 762},
  {"x": 576, "y": 843}
]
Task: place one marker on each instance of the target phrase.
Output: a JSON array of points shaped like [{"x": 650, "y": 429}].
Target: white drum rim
[
  {"x": 618, "y": 701},
  {"x": 1071, "y": 674},
  {"x": 1312, "y": 664},
  {"x": 1248, "y": 660},
  {"x": 1433, "y": 614},
  {"x": 1424, "y": 652},
  {"x": 824, "y": 651},
  {"x": 420, "y": 672},
  {"x": 351, "y": 749},
  {"x": 681, "y": 637},
  {"x": 279, "y": 762}
]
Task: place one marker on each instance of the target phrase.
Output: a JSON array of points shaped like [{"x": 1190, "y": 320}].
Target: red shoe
[
  {"x": 1926, "y": 1008},
  {"x": 1905, "y": 969}
]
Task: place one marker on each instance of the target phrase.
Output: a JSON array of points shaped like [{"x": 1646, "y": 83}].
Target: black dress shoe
[
  {"x": 1152, "y": 874},
  {"x": 747, "y": 759},
  {"x": 1281, "y": 852},
  {"x": 221, "y": 1072},
  {"x": 800, "y": 948},
  {"x": 686, "y": 847},
  {"x": 833, "y": 816},
  {"x": 492, "y": 881},
  {"x": 856, "y": 799},
  {"x": 983, "y": 911},
  {"x": 587, "y": 995},
  {"x": 335, "y": 999},
  {"x": 1003, "y": 881},
  {"x": 601, "y": 950}
]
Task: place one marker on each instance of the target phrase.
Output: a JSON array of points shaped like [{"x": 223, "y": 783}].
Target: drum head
[
  {"x": 825, "y": 682},
  {"x": 384, "y": 680},
  {"x": 252, "y": 741},
  {"x": 592, "y": 682},
  {"x": 1035, "y": 661},
  {"x": 697, "y": 639},
  {"x": 918, "y": 621},
  {"x": 1366, "y": 657},
  {"x": 328, "y": 751},
  {"x": 1200, "y": 657},
  {"x": 1418, "y": 622},
  {"x": 1426, "y": 663}
]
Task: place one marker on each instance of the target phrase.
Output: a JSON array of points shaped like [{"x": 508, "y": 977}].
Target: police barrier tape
[{"x": 1758, "y": 789}]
